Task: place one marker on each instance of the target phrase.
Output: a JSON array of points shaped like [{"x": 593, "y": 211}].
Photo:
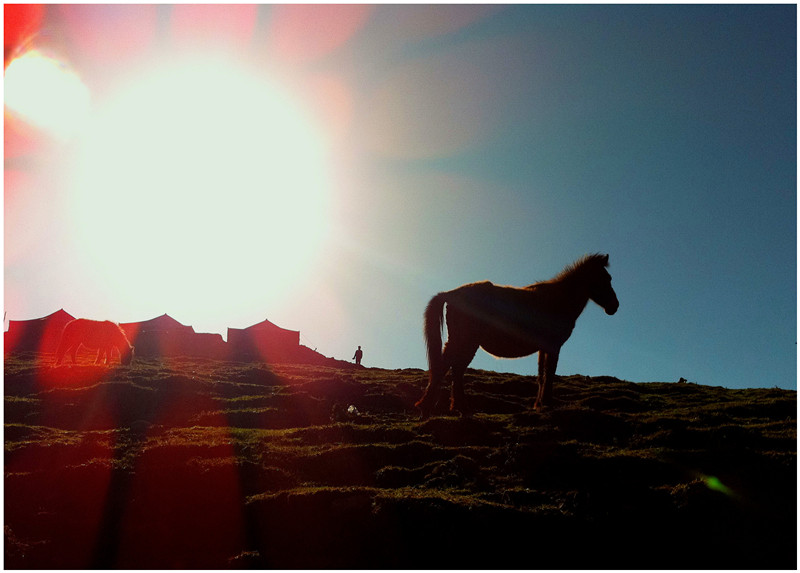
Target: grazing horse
[
  {"x": 510, "y": 322},
  {"x": 103, "y": 335}
]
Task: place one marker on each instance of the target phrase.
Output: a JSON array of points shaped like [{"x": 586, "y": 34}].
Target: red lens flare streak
[
  {"x": 213, "y": 27},
  {"x": 302, "y": 33},
  {"x": 21, "y": 23},
  {"x": 126, "y": 478}
]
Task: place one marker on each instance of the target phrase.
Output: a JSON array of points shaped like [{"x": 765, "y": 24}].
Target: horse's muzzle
[{"x": 612, "y": 309}]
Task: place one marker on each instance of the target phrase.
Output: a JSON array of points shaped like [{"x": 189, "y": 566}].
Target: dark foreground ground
[{"x": 192, "y": 463}]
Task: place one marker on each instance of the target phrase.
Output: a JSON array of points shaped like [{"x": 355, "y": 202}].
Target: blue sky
[{"x": 502, "y": 143}]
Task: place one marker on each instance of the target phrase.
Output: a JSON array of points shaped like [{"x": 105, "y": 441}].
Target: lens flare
[
  {"x": 713, "y": 483},
  {"x": 301, "y": 33},
  {"x": 46, "y": 93},
  {"x": 21, "y": 22},
  {"x": 201, "y": 179},
  {"x": 213, "y": 27},
  {"x": 429, "y": 108},
  {"x": 109, "y": 36}
]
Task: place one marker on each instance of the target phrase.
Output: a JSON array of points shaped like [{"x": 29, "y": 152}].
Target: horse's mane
[
  {"x": 118, "y": 331},
  {"x": 579, "y": 266}
]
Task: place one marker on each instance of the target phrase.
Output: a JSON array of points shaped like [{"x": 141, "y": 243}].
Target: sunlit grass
[
  {"x": 611, "y": 452},
  {"x": 21, "y": 435}
]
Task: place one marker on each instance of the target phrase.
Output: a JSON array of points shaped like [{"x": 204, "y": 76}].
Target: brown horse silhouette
[
  {"x": 103, "y": 335},
  {"x": 510, "y": 322}
]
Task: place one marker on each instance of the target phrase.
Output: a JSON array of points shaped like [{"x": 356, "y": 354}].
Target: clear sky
[{"x": 331, "y": 168}]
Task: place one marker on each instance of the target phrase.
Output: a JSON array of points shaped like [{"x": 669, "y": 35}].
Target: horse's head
[
  {"x": 126, "y": 355},
  {"x": 600, "y": 290}
]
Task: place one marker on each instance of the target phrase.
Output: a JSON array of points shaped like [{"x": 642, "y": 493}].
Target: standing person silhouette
[{"x": 357, "y": 356}]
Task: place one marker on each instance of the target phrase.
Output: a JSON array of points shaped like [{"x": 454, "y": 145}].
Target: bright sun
[
  {"x": 201, "y": 187},
  {"x": 30, "y": 85}
]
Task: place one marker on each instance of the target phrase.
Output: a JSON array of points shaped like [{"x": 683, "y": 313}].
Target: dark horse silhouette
[
  {"x": 103, "y": 335},
  {"x": 510, "y": 322}
]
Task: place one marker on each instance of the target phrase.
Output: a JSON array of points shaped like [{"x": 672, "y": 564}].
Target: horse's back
[
  {"x": 507, "y": 321},
  {"x": 489, "y": 301},
  {"x": 91, "y": 333}
]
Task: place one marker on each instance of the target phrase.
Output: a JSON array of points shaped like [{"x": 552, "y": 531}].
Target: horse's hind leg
[
  {"x": 460, "y": 362},
  {"x": 431, "y": 394},
  {"x": 458, "y": 399},
  {"x": 60, "y": 352}
]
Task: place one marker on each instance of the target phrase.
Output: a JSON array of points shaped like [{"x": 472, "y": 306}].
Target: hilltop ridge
[{"x": 198, "y": 463}]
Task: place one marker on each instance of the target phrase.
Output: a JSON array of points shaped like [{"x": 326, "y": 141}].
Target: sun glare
[
  {"x": 203, "y": 187},
  {"x": 46, "y": 93}
]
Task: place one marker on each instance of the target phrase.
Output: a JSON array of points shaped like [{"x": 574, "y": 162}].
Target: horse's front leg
[
  {"x": 540, "y": 380},
  {"x": 105, "y": 353},
  {"x": 550, "y": 377},
  {"x": 547, "y": 373}
]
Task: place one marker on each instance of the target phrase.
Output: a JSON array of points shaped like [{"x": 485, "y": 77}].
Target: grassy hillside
[{"x": 196, "y": 463}]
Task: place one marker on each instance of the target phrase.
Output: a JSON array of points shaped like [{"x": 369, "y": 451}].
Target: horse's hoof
[{"x": 462, "y": 412}]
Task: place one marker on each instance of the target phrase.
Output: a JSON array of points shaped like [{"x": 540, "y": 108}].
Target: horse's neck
[
  {"x": 120, "y": 340},
  {"x": 574, "y": 296}
]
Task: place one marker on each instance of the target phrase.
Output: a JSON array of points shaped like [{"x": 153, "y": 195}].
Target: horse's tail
[{"x": 434, "y": 320}]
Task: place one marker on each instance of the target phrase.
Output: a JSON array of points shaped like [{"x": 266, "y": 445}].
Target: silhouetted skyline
[{"x": 333, "y": 167}]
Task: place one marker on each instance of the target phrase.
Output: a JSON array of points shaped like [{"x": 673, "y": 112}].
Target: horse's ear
[{"x": 605, "y": 260}]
